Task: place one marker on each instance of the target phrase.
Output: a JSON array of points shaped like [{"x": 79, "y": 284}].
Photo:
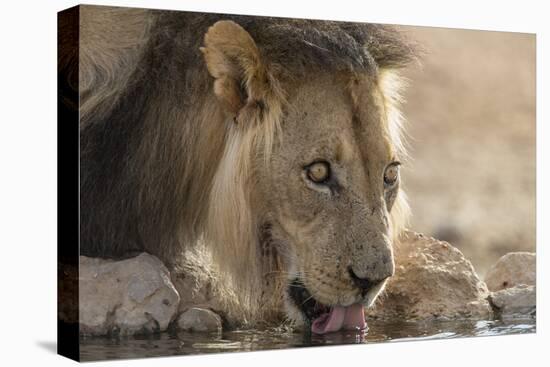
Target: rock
[
  {"x": 514, "y": 302},
  {"x": 432, "y": 280},
  {"x": 199, "y": 319},
  {"x": 125, "y": 297},
  {"x": 512, "y": 269}
]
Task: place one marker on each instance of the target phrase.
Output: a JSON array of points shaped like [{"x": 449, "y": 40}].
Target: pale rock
[
  {"x": 433, "y": 280},
  {"x": 199, "y": 319},
  {"x": 519, "y": 301},
  {"x": 512, "y": 269},
  {"x": 125, "y": 297}
]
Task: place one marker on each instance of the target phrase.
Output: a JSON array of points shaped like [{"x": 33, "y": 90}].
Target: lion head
[{"x": 309, "y": 175}]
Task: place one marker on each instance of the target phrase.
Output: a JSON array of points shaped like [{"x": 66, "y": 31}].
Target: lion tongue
[{"x": 340, "y": 318}]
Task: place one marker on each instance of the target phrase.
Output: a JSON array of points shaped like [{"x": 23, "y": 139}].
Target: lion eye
[
  {"x": 391, "y": 174},
  {"x": 318, "y": 172}
]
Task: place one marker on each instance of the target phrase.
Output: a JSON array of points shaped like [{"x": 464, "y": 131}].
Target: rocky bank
[{"x": 433, "y": 280}]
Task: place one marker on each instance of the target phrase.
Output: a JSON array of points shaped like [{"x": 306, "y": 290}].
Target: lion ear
[{"x": 233, "y": 59}]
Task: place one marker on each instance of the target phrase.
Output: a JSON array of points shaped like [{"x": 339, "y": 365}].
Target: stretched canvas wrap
[{"x": 238, "y": 183}]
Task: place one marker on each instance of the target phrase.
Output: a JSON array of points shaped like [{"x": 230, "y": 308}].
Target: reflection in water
[{"x": 180, "y": 343}]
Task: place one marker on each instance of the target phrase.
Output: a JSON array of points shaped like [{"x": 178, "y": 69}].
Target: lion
[{"x": 274, "y": 143}]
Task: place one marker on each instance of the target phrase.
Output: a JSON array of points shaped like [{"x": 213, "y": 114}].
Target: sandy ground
[{"x": 471, "y": 125}]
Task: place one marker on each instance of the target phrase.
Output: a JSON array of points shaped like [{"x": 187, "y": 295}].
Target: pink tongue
[{"x": 340, "y": 318}]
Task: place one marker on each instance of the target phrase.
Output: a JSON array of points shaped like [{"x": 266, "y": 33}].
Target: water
[{"x": 182, "y": 343}]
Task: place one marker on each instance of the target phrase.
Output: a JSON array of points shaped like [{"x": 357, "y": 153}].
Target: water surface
[{"x": 183, "y": 343}]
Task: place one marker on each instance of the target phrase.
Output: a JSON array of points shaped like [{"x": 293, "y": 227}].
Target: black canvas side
[{"x": 68, "y": 157}]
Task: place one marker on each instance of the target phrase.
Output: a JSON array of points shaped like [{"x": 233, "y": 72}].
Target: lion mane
[{"x": 162, "y": 168}]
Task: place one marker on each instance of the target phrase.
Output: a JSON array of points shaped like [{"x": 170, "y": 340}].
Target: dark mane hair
[{"x": 301, "y": 44}]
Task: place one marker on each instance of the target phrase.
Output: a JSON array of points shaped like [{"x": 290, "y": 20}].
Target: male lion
[{"x": 274, "y": 142}]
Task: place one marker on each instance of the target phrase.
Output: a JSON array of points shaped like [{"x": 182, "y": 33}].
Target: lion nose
[{"x": 365, "y": 284}]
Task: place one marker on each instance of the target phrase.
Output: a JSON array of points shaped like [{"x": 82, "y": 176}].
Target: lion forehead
[{"x": 327, "y": 116}]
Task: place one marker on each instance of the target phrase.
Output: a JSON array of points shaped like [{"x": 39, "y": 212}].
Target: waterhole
[{"x": 184, "y": 343}]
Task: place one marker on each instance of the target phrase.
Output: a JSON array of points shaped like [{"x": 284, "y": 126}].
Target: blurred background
[{"x": 470, "y": 107}]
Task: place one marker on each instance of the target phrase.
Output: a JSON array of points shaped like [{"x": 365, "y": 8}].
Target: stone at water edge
[
  {"x": 513, "y": 282},
  {"x": 512, "y": 269},
  {"x": 433, "y": 280},
  {"x": 199, "y": 319},
  {"x": 125, "y": 297},
  {"x": 515, "y": 302}
]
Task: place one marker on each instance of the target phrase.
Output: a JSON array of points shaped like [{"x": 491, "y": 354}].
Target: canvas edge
[{"x": 68, "y": 208}]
